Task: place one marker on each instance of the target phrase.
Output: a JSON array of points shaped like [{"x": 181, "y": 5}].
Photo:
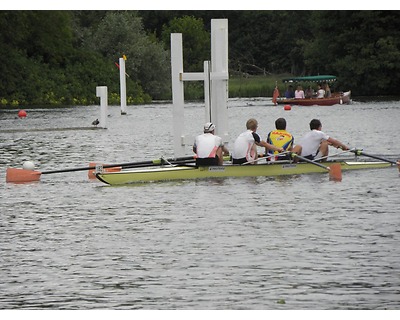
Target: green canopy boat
[
  {"x": 335, "y": 98},
  {"x": 324, "y": 78}
]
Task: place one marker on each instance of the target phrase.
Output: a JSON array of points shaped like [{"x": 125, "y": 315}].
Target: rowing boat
[
  {"x": 277, "y": 168},
  {"x": 228, "y": 170},
  {"x": 336, "y": 98}
]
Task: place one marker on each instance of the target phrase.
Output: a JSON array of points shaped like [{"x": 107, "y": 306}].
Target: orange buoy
[
  {"x": 22, "y": 113},
  {"x": 287, "y": 107}
]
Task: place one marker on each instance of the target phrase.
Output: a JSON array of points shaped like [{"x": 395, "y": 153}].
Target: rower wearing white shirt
[
  {"x": 209, "y": 148},
  {"x": 245, "y": 146},
  {"x": 315, "y": 143}
]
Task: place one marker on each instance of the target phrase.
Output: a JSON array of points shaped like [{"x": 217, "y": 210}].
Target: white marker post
[
  {"x": 207, "y": 91},
  {"x": 177, "y": 94},
  {"x": 122, "y": 80},
  {"x": 178, "y": 77},
  {"x": 219, "y": 77},
  {"x": 102, "y": 93},
  {"x": 215, "y": 85}
]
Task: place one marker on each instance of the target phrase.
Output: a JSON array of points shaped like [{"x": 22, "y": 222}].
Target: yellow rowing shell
[{"x": 188, "y": 173}]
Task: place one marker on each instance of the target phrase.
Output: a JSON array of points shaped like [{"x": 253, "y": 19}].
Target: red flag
[{"x": 275, "y": 95}]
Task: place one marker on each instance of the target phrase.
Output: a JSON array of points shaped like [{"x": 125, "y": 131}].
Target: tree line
[{"x": 59, "y": 57}]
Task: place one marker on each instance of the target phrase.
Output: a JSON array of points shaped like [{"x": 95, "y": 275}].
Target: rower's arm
[
  {"x": 269, "y": 146},
  {"x": 337, "y": 144}
]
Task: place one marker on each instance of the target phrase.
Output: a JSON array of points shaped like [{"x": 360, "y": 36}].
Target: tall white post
[
  {"x": 122, "y": 81},
  {"x": 177, "y": 93},
  {"x": 219, "y": 77},
  {"x": 207, "y": 93},
  {"x": 215, "y": 77},
  {"x": 102, "y": 93}
]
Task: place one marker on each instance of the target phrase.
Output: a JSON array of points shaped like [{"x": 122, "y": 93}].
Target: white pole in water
[
  {"x": 207, "y": 98},
  {"x": 215, "y": 77},
  {"x": 177, "y": 94},
  {"x": 102, "y": 93},
  {"x": 122, "y": 80},
  {"x": 219, "y": 77}
]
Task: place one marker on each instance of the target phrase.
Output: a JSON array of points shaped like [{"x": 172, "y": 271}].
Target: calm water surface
[{"x": 71, "y": 243}]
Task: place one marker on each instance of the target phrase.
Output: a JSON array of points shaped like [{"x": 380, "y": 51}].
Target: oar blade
[
  {"x": 17, "y": 175},
  {"x": 335, "y": 169},
  {"x": 335, "y": 172}
]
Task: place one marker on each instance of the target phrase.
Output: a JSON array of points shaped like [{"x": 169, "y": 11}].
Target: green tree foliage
[
  {"x": 196, "y": 48},
  {"x": 122, "y": 33},
  {"x": 362, "y": 47},
  {"x": 195, "y": 41},
  {"x": 39, "y": 63},
  {"x": 265, "y": 42},
  {"x": 43, "y": 60},
  {"x": 59, "y": 57}
]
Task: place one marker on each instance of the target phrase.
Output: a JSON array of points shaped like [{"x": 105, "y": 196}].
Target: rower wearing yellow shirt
[{"x": 282, "y": 139}]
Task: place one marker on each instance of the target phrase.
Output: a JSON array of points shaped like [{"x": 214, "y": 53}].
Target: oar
[
  {"x": 157, "y": 162},
  {"x": 359, "y": 152},
  {"x": 335, "y": 170},
  {"x": 265, "y": 157},
  {"x": 334, "y": 155},
  {"x": 106, "y": 168},
  {"x": 24, "y": 175}
]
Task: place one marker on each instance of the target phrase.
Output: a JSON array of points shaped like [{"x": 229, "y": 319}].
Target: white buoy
[{"x": 28, "y": 165}]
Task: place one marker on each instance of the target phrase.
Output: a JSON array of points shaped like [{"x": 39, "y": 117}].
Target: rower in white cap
[{"x": 209, "y": 147}]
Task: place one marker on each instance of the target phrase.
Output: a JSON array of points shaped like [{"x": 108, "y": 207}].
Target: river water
[{"x": 300, "y": 242}]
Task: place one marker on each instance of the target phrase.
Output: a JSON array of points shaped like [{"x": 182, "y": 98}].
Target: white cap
[{"x": 208, "y": 127}]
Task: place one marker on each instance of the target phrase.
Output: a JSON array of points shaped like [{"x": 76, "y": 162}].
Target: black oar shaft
[
  {"x": 310, "y": 161},
  {"x": 68, "y": 170},
  {"x": 125, "y": 165},
  {"x": 179, "y": 162},
  {"x": 359, "y": 152}
]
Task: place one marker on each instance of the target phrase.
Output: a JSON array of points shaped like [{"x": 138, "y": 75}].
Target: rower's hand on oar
[
  {"x": 293, "y": 156},
  {"x": 343, "y": 147}
]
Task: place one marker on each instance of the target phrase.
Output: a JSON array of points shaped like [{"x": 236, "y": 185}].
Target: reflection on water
[{"x": 236, "y": 243}]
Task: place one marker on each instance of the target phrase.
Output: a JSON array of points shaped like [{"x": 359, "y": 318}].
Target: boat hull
[
  {"x": 190, "y": 173},
  {"x": 344, "y": 98}
]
